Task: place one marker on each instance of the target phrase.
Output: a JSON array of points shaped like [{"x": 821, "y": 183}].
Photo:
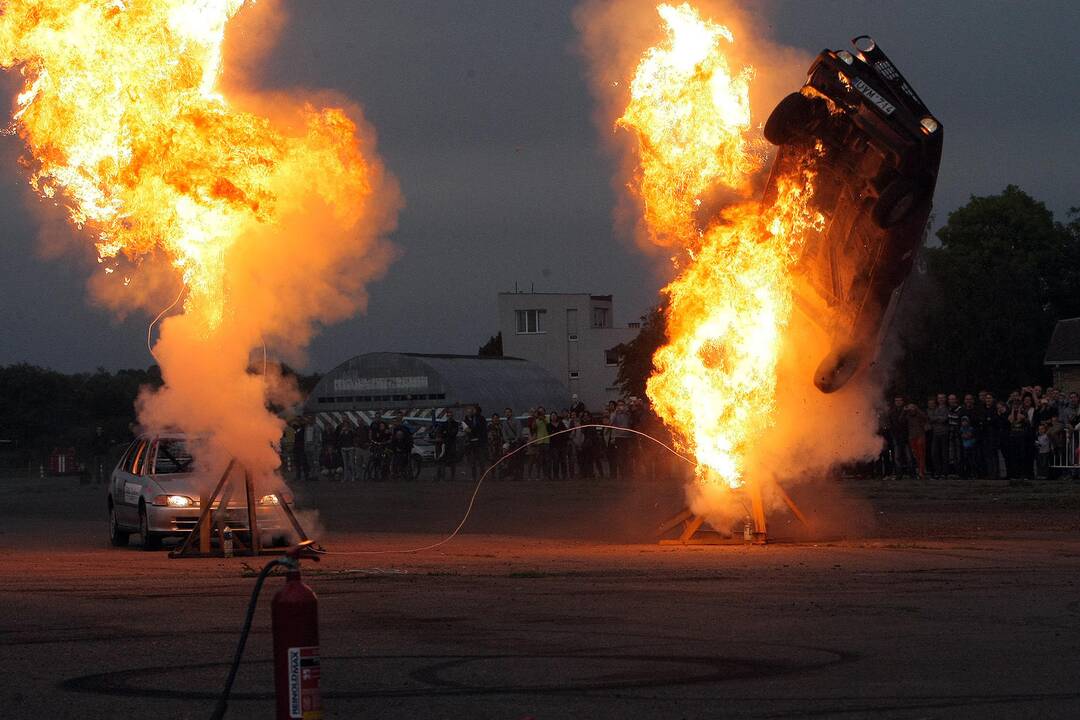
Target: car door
[
  {"x": 120, "y": 474},
  {"x": 129, "y": 482}
]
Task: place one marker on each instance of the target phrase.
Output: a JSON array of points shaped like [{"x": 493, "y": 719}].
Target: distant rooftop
[
  {"x": 1064, "y": 347},
  {"x": 600, "y": 298}
]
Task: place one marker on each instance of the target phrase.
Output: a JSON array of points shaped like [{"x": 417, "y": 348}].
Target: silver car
[{"x": 154, "y": 491}]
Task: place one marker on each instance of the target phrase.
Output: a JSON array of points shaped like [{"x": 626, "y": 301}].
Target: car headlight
[
  {"x": 269, "y": 500},
  {"x": 929, "y": 124},
  {"x": 175, "y": 501},
  {"x": 847, "y": 57}
]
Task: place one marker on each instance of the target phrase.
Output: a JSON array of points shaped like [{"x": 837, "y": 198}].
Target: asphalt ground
[{"x": 939, "y": 599}]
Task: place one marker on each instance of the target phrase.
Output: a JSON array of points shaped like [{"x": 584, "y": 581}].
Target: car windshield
[{"x": 172, "y": 457}]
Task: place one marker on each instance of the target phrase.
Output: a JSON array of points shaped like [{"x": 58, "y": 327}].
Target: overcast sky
[{"x": 484, "y": 115}]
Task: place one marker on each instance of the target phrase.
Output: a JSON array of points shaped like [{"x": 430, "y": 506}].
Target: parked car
[
  {"x": 875, "y": 149},
  {"x": 155, "y": 491}
]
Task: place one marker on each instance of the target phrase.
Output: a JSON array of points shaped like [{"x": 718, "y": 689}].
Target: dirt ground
[{"x": 915, "y": 600}]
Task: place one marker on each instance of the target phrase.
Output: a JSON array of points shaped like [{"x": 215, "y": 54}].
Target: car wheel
[
  {"x": 834, "y": 371},
  {"x": 789, "y": 119},
  {"x": 895, "y": 203},
  {"x": 117, "y": 537},
  {"x": 150, "y": 541}
]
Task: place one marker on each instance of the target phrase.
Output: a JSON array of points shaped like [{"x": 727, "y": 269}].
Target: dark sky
[{"x": 484, "y": 116}]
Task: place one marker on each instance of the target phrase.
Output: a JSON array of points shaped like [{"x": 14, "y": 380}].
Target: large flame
[
  {"x": 272, "y": 230},
  {"x": 123, "y": 120},
  {"x": 715, "y": 379}
]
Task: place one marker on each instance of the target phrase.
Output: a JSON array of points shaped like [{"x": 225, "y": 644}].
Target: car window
[
  {"x": 137, "y": 457},
  {"x": 172, "y": 457},
  {"x": 126, "y": 458}
]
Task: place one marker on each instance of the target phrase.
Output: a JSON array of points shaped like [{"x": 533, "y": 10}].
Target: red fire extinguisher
[{"x": 295, "y": 621}]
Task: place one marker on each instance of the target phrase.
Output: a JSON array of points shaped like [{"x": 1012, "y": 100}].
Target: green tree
[
  {"x": 636, "y": 356},
  {"x": 1004, "y": 274},
  {"x": 493, "y": 347}
]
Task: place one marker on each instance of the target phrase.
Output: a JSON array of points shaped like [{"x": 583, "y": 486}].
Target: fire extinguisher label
[{"x": 304, "y": 700}]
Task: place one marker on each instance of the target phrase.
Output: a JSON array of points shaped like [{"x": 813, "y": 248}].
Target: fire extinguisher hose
[{"x": 223, "y": 701}]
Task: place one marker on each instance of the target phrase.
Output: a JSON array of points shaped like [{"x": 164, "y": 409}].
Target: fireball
[
  {"x": 126, "y": 129},
  {"x": 715, "y": 380}
]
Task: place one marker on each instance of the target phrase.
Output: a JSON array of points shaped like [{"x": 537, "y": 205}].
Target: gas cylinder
[{"x": 295, "y": 622}]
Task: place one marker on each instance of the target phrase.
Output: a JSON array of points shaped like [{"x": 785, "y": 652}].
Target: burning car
[
  {"x": 155, "y": 491},
  {"x": 875, "y": 149}
]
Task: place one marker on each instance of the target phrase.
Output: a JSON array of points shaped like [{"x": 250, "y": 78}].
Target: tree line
[{"x": 42, "y": 409}]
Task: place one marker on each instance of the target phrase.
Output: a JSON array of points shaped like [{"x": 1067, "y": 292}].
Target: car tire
[
  {"x": 837, "y": 368},
  {"x": 896, "y": 202},
  {"x": 117, "y": 537},
  {"x": 150, "y": 541},
  {"x": 788, "y": 120}
]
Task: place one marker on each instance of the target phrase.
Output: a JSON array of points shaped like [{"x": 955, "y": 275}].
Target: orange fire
[
  {"x": 126, "y": 128},
  {"x": 715, "y": 380}
]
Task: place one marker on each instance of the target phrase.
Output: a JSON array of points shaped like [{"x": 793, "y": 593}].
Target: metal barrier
[{"x": 1066, "y": 456}]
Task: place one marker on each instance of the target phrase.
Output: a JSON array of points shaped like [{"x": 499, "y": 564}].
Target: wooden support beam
[
  {"x": 204, "y": 512},
  {"x": 253, "y": 515},
  {"x": 757, "y": 510}
]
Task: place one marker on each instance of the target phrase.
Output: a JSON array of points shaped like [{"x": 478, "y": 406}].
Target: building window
[
  {"x": 572, "y": 337},
  {"x": 611, "y": 357},
  {"x": 601, "y": 317},
  {"x": 573, "y": 375},
  {"x": 530, "y": 321}
]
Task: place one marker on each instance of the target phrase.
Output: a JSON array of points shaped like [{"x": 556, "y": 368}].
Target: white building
[{"x": 571, "y": 335}]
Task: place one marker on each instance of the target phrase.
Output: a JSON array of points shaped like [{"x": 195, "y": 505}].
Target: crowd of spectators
[
  {"x": 572, "y": 443},
  {"x": 1031, "y": 433}
]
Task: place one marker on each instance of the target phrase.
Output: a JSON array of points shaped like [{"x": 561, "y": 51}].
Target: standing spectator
[
  {"x": 1044, "y": 412},
  {"x": 445, "y": 435},
  {"x": 362, "y": 444},
  {"x": 989, "y": 434},
  {"x": 475, "y": 439},
  {"x": 577, "y": 444},
  {"x": 346, "y": 442},
  {"x": 1001, "y": 425},
  {"x": 970, "y": 448},
  {"x": 329, "y": 457},
  {"x": 379, "y": 436},
  {"x": 1069, "y": 410},
  {"x": 608, "y": 439},
  {"x": 1028, "y": 405},
  {"x": 916, "y": 431},
  {"x": 541, "y": 433},
  {"x": 511, "y": 433},
  {"x": 592, "y": 450},
  {"x": 1042, "y": 446},
  {"x": 495, "y": 441},
  {"x": 621, "y": 439},
  {"x": 898, "y": 433},
  {"x": 532, "y": 450},
  {"x": 1016, "y": 453},
  {"x": 938, "y": 415},
  {"x": 99, "y": 455},
  {"x": 560, "y": 448},
  {"x": 1058, "y": 447},
  {"x": 955, "y": 449},
  {"x": 401, "y": 445}
]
